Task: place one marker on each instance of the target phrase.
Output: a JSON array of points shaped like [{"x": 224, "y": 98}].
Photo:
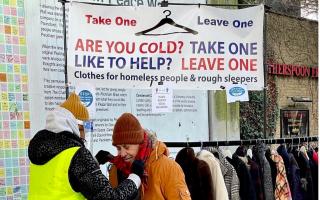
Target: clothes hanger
[
  {"x": 169, "y": 21},
  {"x": 298, "y": 145},
  {"x": 290, "y": 146},
  {"x": 214, "y": 151},
  {"x": 273, "y": 150},
  {"x": 310, "y": 147},
  {"x": 188, "y": 141},
  {"x": 249, "y": 153}
]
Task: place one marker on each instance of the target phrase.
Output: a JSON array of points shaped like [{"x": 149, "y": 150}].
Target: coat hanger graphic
[{"x": 164, "y": 21}]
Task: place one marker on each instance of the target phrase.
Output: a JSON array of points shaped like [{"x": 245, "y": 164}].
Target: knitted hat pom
[{"x": 75, "y": 106}]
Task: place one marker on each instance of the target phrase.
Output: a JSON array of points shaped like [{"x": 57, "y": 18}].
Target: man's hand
[{"x": 103, "y": 157}]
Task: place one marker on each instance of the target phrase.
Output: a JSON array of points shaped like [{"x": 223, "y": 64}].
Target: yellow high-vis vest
[{"x": 51, "y": 181}]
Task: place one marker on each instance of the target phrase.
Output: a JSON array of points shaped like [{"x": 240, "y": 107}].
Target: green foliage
[
  {"x": 252, "y": 112},
  {"x": 251, "y": 116},
  {"x": 272, "y": 108}
]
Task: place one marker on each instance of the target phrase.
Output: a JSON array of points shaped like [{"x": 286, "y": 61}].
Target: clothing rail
[{"x": 295, "y": 140}]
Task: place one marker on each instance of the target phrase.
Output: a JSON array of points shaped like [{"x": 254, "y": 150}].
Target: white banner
[{"x": 188, "y": 47}]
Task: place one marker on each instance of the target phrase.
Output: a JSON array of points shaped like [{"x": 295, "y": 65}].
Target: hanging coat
[
  {"x": 265, "y": 170},
  {"x": 256, "y": 178},
  {"x": 246, "y": 186},
  {"x": 273, "y": 166},
  {"x": 219, "y": 188},
  {"x": 230, "y": 177},
  {"x": 282, "y": 151},
  {"x": 314, "y": 173},
  {"x": 305, "y": 175},
  {"x": 315, "y": 157},
  {"x": 282, "y": 189},
  {"x": 197, "y": 174},
  {"x": 294, "y": 181}
]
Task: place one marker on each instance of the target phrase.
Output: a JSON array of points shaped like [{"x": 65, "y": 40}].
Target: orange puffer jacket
[{"x": 166, "y": 179}]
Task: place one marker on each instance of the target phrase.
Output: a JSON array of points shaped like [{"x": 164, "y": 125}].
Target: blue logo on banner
[
  {"x": 88, "y": 125},
  {"x": 86, "y": 97},
  {"x": 236, "y": 91}
]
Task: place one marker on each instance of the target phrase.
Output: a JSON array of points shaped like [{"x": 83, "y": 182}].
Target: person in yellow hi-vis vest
[{"x": 63, "y": 168}]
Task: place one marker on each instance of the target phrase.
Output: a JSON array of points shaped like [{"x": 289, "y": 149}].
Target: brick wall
[
  {"x": 294, "y": 41},
  {"x": 288, "y": 87}
]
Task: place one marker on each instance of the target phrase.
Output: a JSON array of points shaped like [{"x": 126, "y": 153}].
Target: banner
[{"x": 188, "y": 47}]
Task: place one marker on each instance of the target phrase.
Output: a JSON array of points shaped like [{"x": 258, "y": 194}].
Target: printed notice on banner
[
  {"x": 237, "y": 92},
  {"x": 87, "y": 94},
  {"x": 162, "y": 98}
]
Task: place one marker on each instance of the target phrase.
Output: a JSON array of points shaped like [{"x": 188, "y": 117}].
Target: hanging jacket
[
  {"x": 219, "y": 188},
  {"x": 314, "y": 173},
  {"x": 315, "y": 157},
  {"x": 282, "y": 189},
  {"x": 246, "y": 186},
  {"x": 83, "y": 172},
  {"x": 294, "y": 181},
  {"x": 273, "y": 166},
  {"x": 230, "y": 177},
  {"x": 265, "y": 171},
  {"x": 282, "y": 151},
  {"x": 197, "y": 174},
  {"x": 256, "y": 178},
  {"x": 165, "y": 181},
  {"x": 305, "y": 175}
]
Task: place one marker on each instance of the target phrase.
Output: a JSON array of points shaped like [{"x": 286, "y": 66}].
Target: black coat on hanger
[
  {"x": 247, "y": 190},
  {"x": 197, "y": 174}
]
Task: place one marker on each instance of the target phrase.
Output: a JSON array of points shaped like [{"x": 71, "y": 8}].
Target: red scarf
[{"x": 144, "y": 152}]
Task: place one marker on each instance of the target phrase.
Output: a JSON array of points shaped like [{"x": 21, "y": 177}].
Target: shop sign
[
  {"x": 294, "y": 123},
  {"x": 292, "y": 70}
]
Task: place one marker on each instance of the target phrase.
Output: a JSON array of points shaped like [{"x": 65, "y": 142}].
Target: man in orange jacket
[{"x": 163, "y": 178}]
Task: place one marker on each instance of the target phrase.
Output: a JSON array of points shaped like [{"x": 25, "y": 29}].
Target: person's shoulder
[
  {"x": 167, "y": 164},
  {"x": 84, "y": 152}
]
